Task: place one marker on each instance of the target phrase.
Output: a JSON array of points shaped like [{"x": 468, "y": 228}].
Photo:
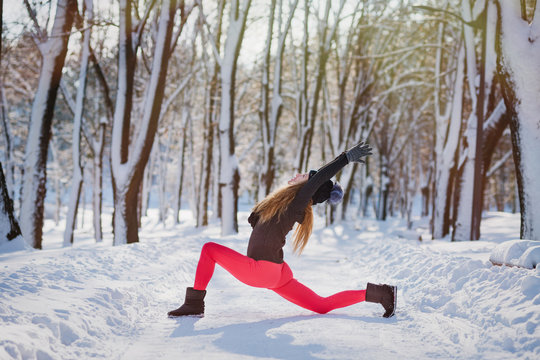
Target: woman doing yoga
[{"x": 272, "y": 219}]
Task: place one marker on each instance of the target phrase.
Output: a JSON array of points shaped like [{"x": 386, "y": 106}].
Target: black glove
[{"x": 357, "y": 152}]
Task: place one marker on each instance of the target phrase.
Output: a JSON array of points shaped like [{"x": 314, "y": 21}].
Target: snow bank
[
  {"x": 522, "y": 253},
  {"x": 16, "y": 244}
]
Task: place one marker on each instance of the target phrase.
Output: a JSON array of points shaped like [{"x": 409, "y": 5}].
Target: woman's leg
[
  {"x": 301, "y": 295},
  {"x": 263, "y": 274}
]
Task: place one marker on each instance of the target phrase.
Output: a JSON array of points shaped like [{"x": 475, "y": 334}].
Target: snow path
[{"x": 110, "y": 302}]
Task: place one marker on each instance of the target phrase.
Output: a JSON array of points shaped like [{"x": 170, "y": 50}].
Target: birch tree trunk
[
  {"x": 53, "y": 51},
  {"x": 518, "y": 51},
  {"x": 77, "y": 176},
  {"x": 229, "y": 175},
  {"x": 128, "y": 162}
]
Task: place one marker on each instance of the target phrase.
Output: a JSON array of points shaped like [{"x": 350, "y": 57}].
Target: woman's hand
[{"x": 357, "y": 152}]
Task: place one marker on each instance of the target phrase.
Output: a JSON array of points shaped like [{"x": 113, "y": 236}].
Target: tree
[
  {"x": 518, "y": 50},
  {"x": 447, "y": 132},
  {"x": 468, "y": 203},
  {"x": 129, "y": 156},
  {"x": 229, "y": 176},
  {"x": 9, "y": 228},
  {"x": 211, "y": 112},
  {"x": 53, "y": 50},
  {"x": 77, "y": 178},
  {"x": 307, "y": 102},
  {"x": 270, "y": 111}
]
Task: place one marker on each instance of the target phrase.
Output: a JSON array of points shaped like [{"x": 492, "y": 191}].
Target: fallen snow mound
[
  {"x": 16, "y": 244},
  {"x": 522, "y": 253}
]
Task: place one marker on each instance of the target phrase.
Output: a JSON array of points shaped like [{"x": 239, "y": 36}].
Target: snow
[
  {"x": 524, "y": 253},
  {"x": 99, "y": 301}
]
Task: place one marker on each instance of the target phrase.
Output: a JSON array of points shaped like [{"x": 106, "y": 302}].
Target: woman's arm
[{"x": 325, "y": 173}]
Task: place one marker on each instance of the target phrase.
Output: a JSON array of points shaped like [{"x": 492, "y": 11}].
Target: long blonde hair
[{"x": 276, "y": 203}]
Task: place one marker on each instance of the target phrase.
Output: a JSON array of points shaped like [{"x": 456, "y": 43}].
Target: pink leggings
[{"x": 270, "y": 275}]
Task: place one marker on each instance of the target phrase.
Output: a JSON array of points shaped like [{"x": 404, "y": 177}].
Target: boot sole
[
  {"x": 395, "y": 303},
  {"x": 189, "y": 316}
]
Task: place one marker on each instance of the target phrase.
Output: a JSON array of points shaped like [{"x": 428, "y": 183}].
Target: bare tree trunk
[
  {"x": 208, "y": 150},
  {"x": 9, "y": 163},
  {"x": 384, "y": 188},
  {"x": 517, "y": 49},
  {"x": 53, "y": 52},
  {"x": 128, "y": 163},
  {"x": 425, "y": 189},
  {"x": 210, "y": 120},
  {"x": 181, "y": 165},
  {"x": 147, "y": 182},
  {"x": 56, "y": 181},
  {"x": 270, "y": 113},
  {"x": 77, "y": 178},
  {"x": 229, "y": 175},
  {"x": 97, "y": 192},
  {"x": 308, "y": 104},
  {"x": 193, "y": 194},
  {"x": 494, "y": 127},
  {"x": 216, "y": 201},
  {"x": 163, "y": 174},
  {"x": 12, "y": 230},
  {"x": 468, "y": 204},
  {"x": 447, "y": 132},
  {"x": 267, "y": 169}
]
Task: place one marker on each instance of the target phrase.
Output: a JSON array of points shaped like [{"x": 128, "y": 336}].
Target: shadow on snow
[{"x": 252, "y": 338}]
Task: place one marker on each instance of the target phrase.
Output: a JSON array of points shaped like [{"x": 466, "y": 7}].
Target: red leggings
[{"x": 270, "y": 275}]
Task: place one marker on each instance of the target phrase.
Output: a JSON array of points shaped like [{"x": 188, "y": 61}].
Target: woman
[{"x": 272, "y": 219}]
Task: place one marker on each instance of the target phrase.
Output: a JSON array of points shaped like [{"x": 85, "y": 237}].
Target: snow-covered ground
[{"x": 99, "y": 301}]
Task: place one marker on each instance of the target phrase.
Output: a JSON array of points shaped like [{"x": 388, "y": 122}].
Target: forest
[{"x": 205, "y": 104}]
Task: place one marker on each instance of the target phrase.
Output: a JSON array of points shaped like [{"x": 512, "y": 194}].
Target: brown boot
[
  {"x": 193, "y": 305},
  {"x": 386, "y": 295}
]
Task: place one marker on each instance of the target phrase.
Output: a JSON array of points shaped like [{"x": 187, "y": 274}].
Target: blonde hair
[{"x": 276, "y": 203}]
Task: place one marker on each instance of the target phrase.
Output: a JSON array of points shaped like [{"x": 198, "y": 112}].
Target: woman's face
[{"x": 299, "y": 178}]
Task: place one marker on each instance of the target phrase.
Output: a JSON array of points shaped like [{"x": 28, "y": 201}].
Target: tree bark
[
  {"x": 77, "y": 176},
  {"x": 6, "y": 213},
  {"x": 270, "y": 111},
  {"x": 446, "y": 144},
  {"x": 229, "y": 174},
  {"x": 128, "y": 162},
  {"x": 517, "y": 50},
  {"x": 53, "y": 51},
  {"x": 210, "y": 120},
  {"x": 468, "y": 204}
]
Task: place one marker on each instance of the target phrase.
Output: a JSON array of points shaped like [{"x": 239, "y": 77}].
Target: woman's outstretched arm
[{"x": 325, "y": 173}]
